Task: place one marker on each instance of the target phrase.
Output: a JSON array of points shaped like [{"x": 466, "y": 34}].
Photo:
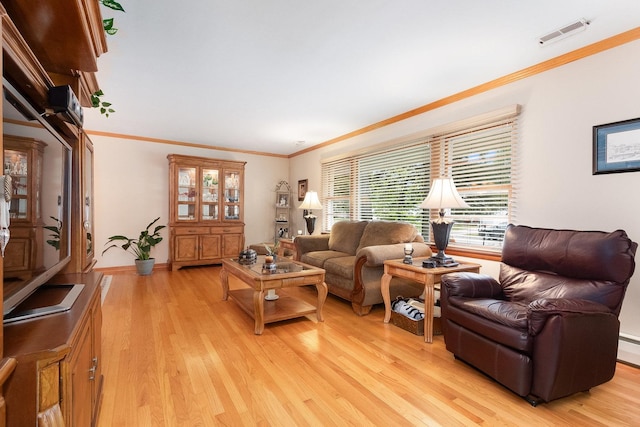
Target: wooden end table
[
  {"x": 278, "y": 307},
  {"x": 287, "y": 244},
  {"x": 428, "y": 276}
]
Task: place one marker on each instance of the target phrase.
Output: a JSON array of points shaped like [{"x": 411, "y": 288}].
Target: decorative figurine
[{"x": 408, "y": 251}]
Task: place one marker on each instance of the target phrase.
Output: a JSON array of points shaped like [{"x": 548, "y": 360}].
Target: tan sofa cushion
[
  {"x": 387, "y": 233},
  {"x": 318, "y": 258},
  {"x": 342, "y": 266},
  {"x": 345, "y": 236}
]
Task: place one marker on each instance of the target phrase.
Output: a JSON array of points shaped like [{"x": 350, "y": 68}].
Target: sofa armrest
[
  {"x": 312, "y": 243},
  {"x": 471, "y": 285},
  {"x": 540, "y": 310},
  {"x": 377, "y": 255}
]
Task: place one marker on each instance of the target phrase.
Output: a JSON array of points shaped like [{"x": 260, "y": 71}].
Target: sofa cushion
[
  {"x": 341, "y": 266},
  {"x": 387, "y": 233},
  {"x": 318, "y": 258},
  {"x": 345, "y": 236},
  {"x": 512, "y": 314}
]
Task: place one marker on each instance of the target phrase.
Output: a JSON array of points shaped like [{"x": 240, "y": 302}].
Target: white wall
[
  {"x": 559, "y": 109},
  {"x": 557, "y": 189},
  {"x": 132, "y": 189}
]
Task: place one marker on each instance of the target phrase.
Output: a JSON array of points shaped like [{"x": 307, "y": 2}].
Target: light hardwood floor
[{"x": 175, "y": 354}]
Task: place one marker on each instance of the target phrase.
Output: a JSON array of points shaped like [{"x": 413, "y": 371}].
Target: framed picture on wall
[
  {"x": 616, "y": 147},
  {"x": 302, "y": 189}
]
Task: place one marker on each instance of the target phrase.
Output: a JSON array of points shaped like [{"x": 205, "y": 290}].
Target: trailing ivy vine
[
  {"x": 107, "y": 24},
  {"x": 105, "y": 107}
]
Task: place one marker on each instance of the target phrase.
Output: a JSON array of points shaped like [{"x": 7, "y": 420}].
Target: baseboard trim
[
  {"x": 129, "y": 268},
  {"x": 629, "y": 349}
]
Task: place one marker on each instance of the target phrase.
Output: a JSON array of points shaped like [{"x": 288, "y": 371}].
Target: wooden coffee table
[
  {"x": 426, "y": 276},
  {"x": 288, "y": 274}
]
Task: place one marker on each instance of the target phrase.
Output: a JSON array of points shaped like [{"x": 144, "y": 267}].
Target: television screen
[{"x": 38, "y": 160}]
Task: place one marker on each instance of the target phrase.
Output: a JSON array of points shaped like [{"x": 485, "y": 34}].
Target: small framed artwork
[
  {"x": 282, "y": 199},
  {"x": 302, "y": 189},
  {"x": 616, "y": 147}
]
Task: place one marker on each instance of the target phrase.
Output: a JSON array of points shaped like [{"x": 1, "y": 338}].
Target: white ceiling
[{"x": 262, "y": 75}]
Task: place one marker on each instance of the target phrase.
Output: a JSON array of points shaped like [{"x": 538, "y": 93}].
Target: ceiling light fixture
[{"x": 564, "y": 32}]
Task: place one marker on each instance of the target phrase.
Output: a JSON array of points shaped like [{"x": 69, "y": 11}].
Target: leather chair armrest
[
  {"x": 575, "y": 346},
  {"x": 540, "y": 310},
  {"x": 377, "y": 255},
  {"x": 471, "y": 285},
  {"x": 313, "y": 243}
]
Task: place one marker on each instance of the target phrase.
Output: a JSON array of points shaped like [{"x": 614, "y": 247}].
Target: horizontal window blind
[
  {"x": 389, "y": 183},
  {"x": 481, "y": 162},
  {"x": 392, "y": 183},
  {"x": 337, "y": 191}
]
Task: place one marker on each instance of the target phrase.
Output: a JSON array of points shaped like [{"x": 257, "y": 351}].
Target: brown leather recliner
[{"x": 549, "y": 327}]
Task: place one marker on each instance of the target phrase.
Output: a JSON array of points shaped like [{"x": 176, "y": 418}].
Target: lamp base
[
  {"x": 441, "y": 231},
  {"x": 311, "y": 223},
  {"x": 443, "y": 260}
]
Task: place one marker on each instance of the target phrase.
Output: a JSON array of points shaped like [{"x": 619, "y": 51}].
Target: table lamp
[
  {"x": 310, "y": 202},
  {"x": 443, "y": 195}
]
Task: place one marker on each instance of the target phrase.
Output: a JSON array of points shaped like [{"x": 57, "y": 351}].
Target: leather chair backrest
[
  {"x": 593, "y": 255},
  {"x": 545, "y": 263}
]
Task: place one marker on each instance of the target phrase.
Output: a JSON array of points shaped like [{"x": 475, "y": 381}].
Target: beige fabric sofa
[{"x": 353, "y": 256}]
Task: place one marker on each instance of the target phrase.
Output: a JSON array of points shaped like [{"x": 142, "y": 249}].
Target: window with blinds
[{"x": 389, "y": 183}]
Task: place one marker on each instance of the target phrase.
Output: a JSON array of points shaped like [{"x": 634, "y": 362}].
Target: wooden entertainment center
[
  {"x": 59, "y": 360},
  {"x": 50, "y": 367}
]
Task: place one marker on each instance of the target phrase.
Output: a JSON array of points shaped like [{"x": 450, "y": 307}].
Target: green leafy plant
[
  {"x": 105, "y": 107},
  {"x": 272, "y": 249},
  {"x": 107, "y": 24},
  {"x": 140, "y": 247},
  {"x": 55, "y": 233}
]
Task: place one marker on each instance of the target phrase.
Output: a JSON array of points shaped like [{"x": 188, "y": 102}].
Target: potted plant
[
  {"x": 272, "y": 250},
  {"x": 140, "y": 247}
]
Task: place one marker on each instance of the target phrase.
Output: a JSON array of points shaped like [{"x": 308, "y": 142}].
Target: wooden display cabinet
[{"x": 206, "y": 218}]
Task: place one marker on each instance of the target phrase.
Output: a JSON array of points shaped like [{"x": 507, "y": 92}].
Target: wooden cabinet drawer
[
  {"x": 233, "y": 229},
  {"x": 191, "y": 230}
]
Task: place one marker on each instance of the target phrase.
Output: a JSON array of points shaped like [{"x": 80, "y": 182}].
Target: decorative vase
[{"x": 145, "y": 266}]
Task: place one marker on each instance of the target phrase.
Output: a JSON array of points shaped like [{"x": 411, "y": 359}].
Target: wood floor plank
[{"x": 175, "y": 354}]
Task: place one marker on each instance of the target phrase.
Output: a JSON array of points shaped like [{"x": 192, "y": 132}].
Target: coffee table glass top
[{"x": 282, "y": 267}]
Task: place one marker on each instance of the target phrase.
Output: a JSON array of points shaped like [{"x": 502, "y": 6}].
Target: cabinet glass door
[
  {"x": 231, "y": 195},
  {"x": 209, "y": 202},
  {"x": 16, "y": 165},
  {"x": 187, "y": 192}
]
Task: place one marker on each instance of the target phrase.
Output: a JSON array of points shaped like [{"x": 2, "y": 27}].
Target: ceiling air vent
[{"x": 564, "y": 32}]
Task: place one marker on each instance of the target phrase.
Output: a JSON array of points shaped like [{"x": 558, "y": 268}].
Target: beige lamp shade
[
  {"x": 443, "y": 195},
  {"x": 310, "y": 201}
]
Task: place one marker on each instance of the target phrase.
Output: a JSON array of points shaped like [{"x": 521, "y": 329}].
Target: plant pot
[{"x": 145, "y": 266}]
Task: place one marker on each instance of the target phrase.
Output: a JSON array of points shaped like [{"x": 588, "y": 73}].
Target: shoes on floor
[{"x": 403, "y": 307}]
